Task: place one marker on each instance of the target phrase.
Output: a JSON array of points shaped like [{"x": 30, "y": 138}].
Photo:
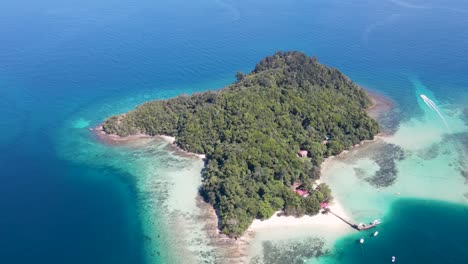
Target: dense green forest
[{"x": 252, "y": 130}]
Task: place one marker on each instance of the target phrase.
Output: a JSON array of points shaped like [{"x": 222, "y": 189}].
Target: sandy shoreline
[
  {"x": 380, "y": 104},
  {"x": 308, "y": 231},
  {"x": 320, "y": 220},
  {"x": 384, "y": 111}
]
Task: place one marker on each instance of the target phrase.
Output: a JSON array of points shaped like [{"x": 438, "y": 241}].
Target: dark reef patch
[
  {"x": 430, "y": 153},
  {"x": 460, "y": 141},
  {"x": 463, "y": 137},
  {"x": 360, "y": 173},
  {"x": 389, "y": 121},
  {"x": 464, "y": 173},
  {"x": 385, "y": 111},
  {"x": 387, "y": 173},
  {"x": 385, "y": 155},
  {"x": 465, "y": 116},
  {"x": 295, "y": 252}
]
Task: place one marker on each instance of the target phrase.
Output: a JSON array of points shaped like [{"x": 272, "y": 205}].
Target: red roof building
[
  {"x": 302, "y": 193},
  {"x": 302, "y": 153}
]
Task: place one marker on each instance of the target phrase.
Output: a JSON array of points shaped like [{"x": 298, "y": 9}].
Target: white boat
[
  {"x": 361, "y": 240},
  {"x": 393, "y": 258},
  {"x": 376, "y": 233}
]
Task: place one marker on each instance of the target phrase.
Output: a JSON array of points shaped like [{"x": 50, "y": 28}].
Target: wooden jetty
[{"x": 358, "y": 227}]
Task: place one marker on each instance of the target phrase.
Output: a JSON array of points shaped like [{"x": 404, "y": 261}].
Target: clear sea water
[
  {"x": 415, "y": 231},
  {"x": 66, "y": 65}
]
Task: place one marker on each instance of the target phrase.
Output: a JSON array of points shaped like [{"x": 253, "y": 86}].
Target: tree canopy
[{"x": 251, "y": 131}]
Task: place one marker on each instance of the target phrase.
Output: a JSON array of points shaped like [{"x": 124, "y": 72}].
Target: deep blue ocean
[{"x": 59, "y": 59}]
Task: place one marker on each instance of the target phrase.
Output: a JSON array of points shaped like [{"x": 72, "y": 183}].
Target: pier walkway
[{"x": 355, "y": 226}]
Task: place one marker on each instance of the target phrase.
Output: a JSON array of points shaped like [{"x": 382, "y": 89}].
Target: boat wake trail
[
  {"x": 428, "y": 7},
  {"x": 409, "y": 5},
  {"x": 370, "y": 29},
  {"x": 233, "y": 10},
  {"x": 433, "y": 106}
]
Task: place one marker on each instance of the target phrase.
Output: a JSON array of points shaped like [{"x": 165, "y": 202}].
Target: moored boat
[{"x": 369, "y": 226}]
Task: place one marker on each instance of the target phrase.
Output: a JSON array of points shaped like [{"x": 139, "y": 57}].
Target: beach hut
[
  {"x": 326, "y": 139},
  {"x": 323, "y": 205},
  {"x": 302, "y": 193},
  {"x": 302, "y": 153},
  {"x": 295, "y": 185}
]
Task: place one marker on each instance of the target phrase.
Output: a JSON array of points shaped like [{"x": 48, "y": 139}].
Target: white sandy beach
[
  {"x": 279, "y": 229},
  {"x": 169, "y": 139},
  {"x": 323, "y": 221}
]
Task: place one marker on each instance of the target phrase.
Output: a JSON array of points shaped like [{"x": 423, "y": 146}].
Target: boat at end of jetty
[{"x": 362, "y": 226}]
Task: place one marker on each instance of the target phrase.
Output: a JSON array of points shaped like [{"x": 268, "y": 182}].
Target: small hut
[
  {"x": 302, "y": 153},
  {"x": 295, "y": 185},
  {"x": 302, "y": 193}
]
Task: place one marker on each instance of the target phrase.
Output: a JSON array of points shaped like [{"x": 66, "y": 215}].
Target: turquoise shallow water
[{"x": 66, "y": 65}]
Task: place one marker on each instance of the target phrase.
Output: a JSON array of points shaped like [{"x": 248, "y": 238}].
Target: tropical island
[{"x": 264, "y": 136}]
